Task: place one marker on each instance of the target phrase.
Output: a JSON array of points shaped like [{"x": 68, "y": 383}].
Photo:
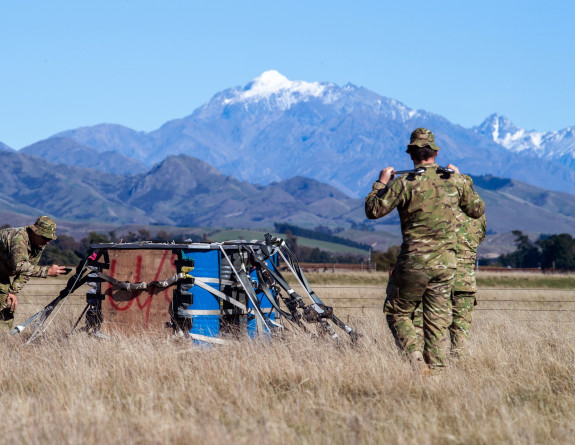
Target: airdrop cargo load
[{"x": 205, "y": 291}]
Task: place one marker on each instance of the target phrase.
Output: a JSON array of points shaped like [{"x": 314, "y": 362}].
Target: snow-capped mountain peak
[
  {"x": 272, "y": 85},
  {"x": 272, "y": 82},
  {"x": 506, "y": 133},
  {"x": 557, "y": 145}
]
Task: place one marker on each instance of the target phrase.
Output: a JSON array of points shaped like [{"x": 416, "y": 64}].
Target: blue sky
[{"x": 67, "y": 64}]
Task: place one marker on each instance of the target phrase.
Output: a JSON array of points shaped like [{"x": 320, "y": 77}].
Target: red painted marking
[
  {"x": 148, "y": 302},
  {"x": 134, "y": 294}
]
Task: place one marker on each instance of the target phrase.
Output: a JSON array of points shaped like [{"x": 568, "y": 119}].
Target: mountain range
[
  {"x": 279, "y": 150},
  {"x": 273, "y": 129},
  {"x": 60, "y": 150},
  {"x": 187, "y": 192},
  {"x": 4, "y": 147},
  {"x": 557, "y": 146}
]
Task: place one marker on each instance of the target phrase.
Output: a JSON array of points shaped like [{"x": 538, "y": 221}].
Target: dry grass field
[{"x": 516, "y": 385}]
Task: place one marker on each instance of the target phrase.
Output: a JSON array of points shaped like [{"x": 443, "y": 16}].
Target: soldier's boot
[
  {"x": 459, "y": 346},
  {"x": 6, "y": 319},
  {"x": 458, "y": 353},
  {"x": 418, "y": 364}
]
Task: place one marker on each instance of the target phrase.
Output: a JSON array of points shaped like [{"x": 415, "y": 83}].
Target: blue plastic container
[{"x": 204, "y": 310}]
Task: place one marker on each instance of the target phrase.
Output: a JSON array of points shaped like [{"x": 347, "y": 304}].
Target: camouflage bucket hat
[
  {"x": 45, "y": 227},
  {"x": 422, "y": 137}
]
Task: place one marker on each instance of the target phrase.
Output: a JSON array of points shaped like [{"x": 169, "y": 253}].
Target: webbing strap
[
  {"x": 266, "y": 290},
  {"x": 247, "y": 285},
  {"x": 141, "y": 285},
  {"x": 296, "y": 269},
  {"x": 218, "y": 293},
  {"x": 261, "y": 265},
  {"x": 242, "y": 278}
]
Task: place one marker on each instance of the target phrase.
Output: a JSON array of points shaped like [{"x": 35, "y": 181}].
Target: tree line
[
  {"x": 555, "y": 252},
  {"x": 547, "y": 252},
  {"x": 320, "y": 233},
  {"x": 306, "y": 254}
]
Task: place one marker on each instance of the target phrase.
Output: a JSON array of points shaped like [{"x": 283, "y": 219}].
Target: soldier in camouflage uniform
[
  {"x": 425, "y": 269},
  {"x": 470, "y": 233},
  {"x": 20, "y": 252}
]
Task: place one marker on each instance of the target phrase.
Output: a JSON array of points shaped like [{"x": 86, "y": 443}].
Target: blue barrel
[
  {"x": 205, "y": 307},
  {"x": 208, "y": 314}
]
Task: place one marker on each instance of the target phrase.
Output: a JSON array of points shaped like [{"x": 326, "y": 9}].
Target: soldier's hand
[
  {"x": 56, "y": 270},
  {"x": 12, "y": 301},
  {"x": 386, "y": 175},
  {"x": 453, "y": 167}
]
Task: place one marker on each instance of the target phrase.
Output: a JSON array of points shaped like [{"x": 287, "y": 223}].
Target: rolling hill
[
  {"x": 273, "y": 129},
  {"x": 183, "y": 191}
]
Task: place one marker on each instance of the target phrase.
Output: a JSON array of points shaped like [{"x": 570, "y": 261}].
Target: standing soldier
[
  {"x": 425, "y": 269},
  {"x": 470, "y": 233},
  {"x": 20, "y": 252}
]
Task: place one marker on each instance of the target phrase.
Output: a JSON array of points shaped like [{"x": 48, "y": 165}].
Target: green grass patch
[
  {"x": 235, "y": 234},
  {"x": 526, "y": 280},
  {"x": 516, "y": 281},
  {"x": 347, "y": 278},
  {"x": 239, "y": 234}
]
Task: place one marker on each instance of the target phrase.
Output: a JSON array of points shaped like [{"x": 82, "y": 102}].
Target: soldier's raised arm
[
  {"x": 470, "y": 202},
  {"x": 385, "y": 196}
]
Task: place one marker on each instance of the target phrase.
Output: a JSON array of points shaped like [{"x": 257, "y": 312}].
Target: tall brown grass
[{"x": 516, "y": 385}]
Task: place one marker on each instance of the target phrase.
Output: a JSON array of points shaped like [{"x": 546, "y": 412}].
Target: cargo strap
[
  {"x": 217, "y": 293},
  {"x": 293, "y": 301},
  {"x": 315, "y": 312},
  {"x": 261, "y": 321},
  {"x": 293, "y": 264},
  {"x": 142, "y": 285}
]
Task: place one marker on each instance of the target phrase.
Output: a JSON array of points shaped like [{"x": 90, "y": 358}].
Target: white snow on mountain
[
  {"x": 272, "y": 91},
  {"x": 505, "y": 133},
  {"x": 273, "y": 126},
  {"x": 548, "y": 145},
  {"x": 274, "y": 85},
  {"x": 401, "y": 110}
]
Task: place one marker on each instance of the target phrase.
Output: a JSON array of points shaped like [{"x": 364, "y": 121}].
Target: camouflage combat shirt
[
  {"x": 427, "y": 206},
  {"x": 470, "y": 233},
  {"x": 18, "y": 259}
]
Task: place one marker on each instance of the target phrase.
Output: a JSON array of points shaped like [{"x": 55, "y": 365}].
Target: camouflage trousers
[
  {"x": 6, "y": 314},
  {"x": 459, "y": 330},
  {"x": 429, "y": 289}
]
